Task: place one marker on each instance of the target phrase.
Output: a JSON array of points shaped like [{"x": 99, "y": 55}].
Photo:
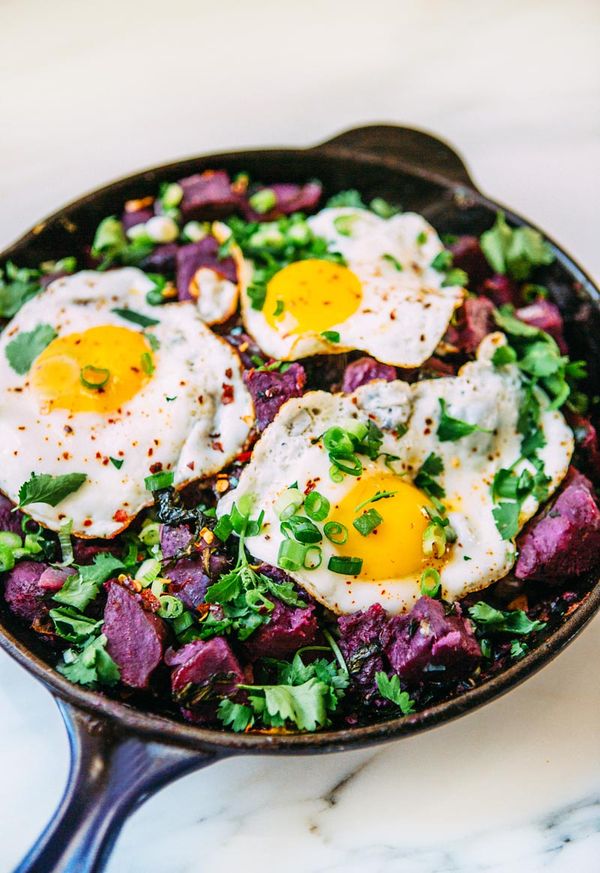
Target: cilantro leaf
[
  {"x": 72, "y": 625},
  {"x": 227, "y": 588},
  {"x": 303, "y": 705},
  {"x": 22, "y": 351},
  {"x": 17, "y": 286},
  {"x": 235, "y": 715},
  {"x": 502, "y": 621},
  {"x": 451, "y": 429},
  {"x": 514, "y": 251},
  {"x": 390, "y": 689},
  {"x": 346, "y": 198},
  {"x": 44, "y": 488},
  {"x": 506, "y": 516},
  {"x": 79, "y": 590},
  {"x": 431, "y": 467},
  {"x": 90, "y": 666}
]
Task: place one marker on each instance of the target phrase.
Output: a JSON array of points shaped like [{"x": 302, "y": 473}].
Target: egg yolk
[
  {"x": 94, "y": 371},
  {"x": 311, "y": 296},
  {"x": 394, "y": 548}
]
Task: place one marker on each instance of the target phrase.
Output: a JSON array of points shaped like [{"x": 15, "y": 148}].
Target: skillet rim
[{"x": 153, "y": 726}]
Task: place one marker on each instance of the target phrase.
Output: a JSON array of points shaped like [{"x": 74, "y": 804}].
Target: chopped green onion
[
  {"x": 336, "y": 532},
  {"x": 279, "y": 307},
  {"x": 393, "y": 261},
  {"x": 442, "y": 261},
  {"x": 421, "y": 238},
  {"x": 158, "y": 481},
  {"x": 291, "y": 555},
  {"x": 10, "y": 540},
  {"x": 170, "y": 607},
  {"x": 263, "y": 201},
  {"x": 312, "y": 558},
  {"x": 148, "y": 571},
  {"x": 94, "y": 378},
  {"x": 7, "y": 559},
  {"x": 351, "y": 465},
  {"x": 302, "y": 529},
  {"x": 337, "y": 441},
  {"x": 32, "y": 544},
  {"x": 504, "y": 355},
  {"x": 367, "y": 522},
  {"x": 434, "y": 541},
  {"x": 332, "y": 336},
  {"x": 316, "y": 506},
  {"x": 346, "y": 566},
  {"x": 288, "y": 503},
  {"x": 66, "y": 545},
  {"x": 147, "y": 363},
  {"x": 117, "y": 462},
  {"x": 430, "y": 582},
  {"x": 344, "y": 223},
  {"x": 150, "y": 533},
  {"x": 137, "y": 317},
  {"x": 335, "y": 474},
  {"x": 383, "y": 208},
  {"x": 194, "y": 231},
  {"x": 171, "y": 195}
]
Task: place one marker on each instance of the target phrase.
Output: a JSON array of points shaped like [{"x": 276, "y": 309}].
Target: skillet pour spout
[{"x": 121, "y": 755}]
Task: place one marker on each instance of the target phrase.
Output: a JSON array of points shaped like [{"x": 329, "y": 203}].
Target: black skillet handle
[
  {"x": 111, "y": 774},
  {"x": 407, "y": 146}
]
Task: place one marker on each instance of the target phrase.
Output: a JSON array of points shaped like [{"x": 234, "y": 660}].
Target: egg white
[
  {"x": 403, "y": 313},
  {"x": 290, "y": 450},
  {"x": 182, "y": 419}
]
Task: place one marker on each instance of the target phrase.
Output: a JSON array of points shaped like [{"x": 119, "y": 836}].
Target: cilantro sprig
[
  {"x": 515, "y": 252},
  {"x": 492, "y": 620},
  {"x": 304, "y": 697},
  {"x": 452, "y": 429},
  {"x": 22, "y": 351},
  {"x": 389, "y": 688}
]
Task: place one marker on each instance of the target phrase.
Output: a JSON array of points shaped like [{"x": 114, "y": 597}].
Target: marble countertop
[{"x": 94, "y": 91}]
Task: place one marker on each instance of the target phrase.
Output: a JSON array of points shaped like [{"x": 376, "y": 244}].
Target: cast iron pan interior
[{"x": 122, "y": 754}]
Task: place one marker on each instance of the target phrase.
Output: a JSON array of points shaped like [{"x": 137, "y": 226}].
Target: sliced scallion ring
[
  {"x": 336, "y": 532},
  {"x": 316, "y": 506},
  {"x": 313, "y": 558},
  {"x": 345, "y": 566},
  {"x": 430, "y": 582},
  {"x": 288, "y": 503},
  {"x": 291, "y": 555},
  {"x": 94, "y": 378}
]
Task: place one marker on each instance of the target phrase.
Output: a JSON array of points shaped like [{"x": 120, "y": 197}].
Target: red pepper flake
[
  {"x": 243, "y": 457},
  {"x": 120, "y": 516},
  {"x": 217, "y": 446},
  {"x": 229, "y": 372},
  {"x": 156, "y": 467},
  {"x": 228, "y": 393},
  {"x": 191, "y": 465},
  {"x": 87, "y": 522}
]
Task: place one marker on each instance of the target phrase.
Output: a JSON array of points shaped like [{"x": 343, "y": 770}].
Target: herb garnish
[
  {"x": 514, "y": 621},
  {"x": 451, "y": 429},
  {"x": 514, "y": 251},
  {"x": 390, "y": 690},
  {"x": 22, "y": 351},
  {"x": 136, "y": 317},
  {"x": 44, "y": 488}
]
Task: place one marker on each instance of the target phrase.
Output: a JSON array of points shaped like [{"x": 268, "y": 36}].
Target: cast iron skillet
[{"x": 121, "y": 755}]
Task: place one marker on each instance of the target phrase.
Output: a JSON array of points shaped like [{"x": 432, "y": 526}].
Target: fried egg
[
  {"x": 123, "y": 390},
  {"x": 291, "y": 452},
  {"x": 386, "y": 300}
]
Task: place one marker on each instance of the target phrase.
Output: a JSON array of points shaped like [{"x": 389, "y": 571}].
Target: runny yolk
[
  {"x": 394, "y": 549},
  {"x": 311, "y": 296},
  {"x": 94, "y": 371}
]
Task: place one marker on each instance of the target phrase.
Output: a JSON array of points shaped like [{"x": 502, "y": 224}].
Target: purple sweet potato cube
[
  {"x": 361, "y": 636},
  {"x": 500, "y": 290},
  {"x": 546, "y": 316},
  {"x": 208, "y": 195},
  {"x": 270, "y": 390},
  {"x": 135, "y": 636},
  {"x": 132, "y": 218},
  {"x": 203, "y": 672},
  {"x": 468, "y": 256},
  {"x": 9, "y": 520},
  {"x": 288, "y": 629},
  {"x": 192, "y": 257},
  {"x": 174, "y": 539},
  {"x": 162, "y": 259},
  {"x": 23, "y": 591},
  {"x": 565, "y": 540},
  {"x": 476, "y": 321},
  {"x": 428, "y": 637},
  {"x": 365, "y": 370},
  {"x": 189, "y": 580}
]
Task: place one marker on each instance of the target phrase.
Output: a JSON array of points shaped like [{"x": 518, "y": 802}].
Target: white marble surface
[{"x": 92, "y": 91}]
